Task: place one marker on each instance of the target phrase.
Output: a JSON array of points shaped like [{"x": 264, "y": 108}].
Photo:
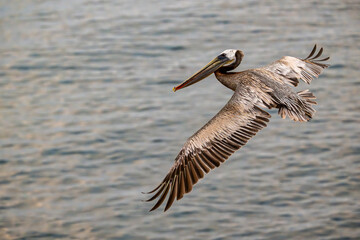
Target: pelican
[{"x": 242, "y": 117}]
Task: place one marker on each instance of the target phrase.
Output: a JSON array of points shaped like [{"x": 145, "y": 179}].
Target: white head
[{"x": 229, "y": 53}]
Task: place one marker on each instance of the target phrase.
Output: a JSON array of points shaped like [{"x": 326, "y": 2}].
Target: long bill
[{"x": 211, "y": 67}]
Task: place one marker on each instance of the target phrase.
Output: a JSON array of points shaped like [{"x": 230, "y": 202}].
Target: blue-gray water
[{"x": 88, "y": 120}]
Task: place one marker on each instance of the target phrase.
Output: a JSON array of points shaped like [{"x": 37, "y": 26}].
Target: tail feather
[{"x": 299, "y": 109}]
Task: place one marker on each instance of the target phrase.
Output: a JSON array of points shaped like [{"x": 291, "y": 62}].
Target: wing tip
[
  {"x": 314, "y": 59},
  {"x": 312, "y": 52}
]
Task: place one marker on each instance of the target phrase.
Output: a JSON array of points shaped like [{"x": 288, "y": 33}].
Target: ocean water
[{"x": 88, "y": 120}]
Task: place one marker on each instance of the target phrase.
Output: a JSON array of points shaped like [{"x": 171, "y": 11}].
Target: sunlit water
[{"x": 88, "y": 120}]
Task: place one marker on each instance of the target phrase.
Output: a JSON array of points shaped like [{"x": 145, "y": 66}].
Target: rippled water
[{"x": 88, "y": 120}]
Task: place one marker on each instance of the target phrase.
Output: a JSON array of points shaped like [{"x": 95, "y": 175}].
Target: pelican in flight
[{"x": 242, "y": 117}]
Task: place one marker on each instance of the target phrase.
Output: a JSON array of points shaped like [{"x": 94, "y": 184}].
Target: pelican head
[{"x": 226, "y": 57}]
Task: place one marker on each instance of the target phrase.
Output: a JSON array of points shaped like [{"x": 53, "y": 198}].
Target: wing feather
[
  {"x": 312, "y": 52},
  {"x": 173, "y": 192},
  {"x": 229, "y": 130},
  {"x": 293, "y": 69},
  {"x": 203, "y": 165},
  {"x": 181, "y": 192}
]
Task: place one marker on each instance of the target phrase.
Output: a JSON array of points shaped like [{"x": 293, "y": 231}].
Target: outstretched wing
[
  {"x": 238, "y": 121},
  {"x": 292, "y": 69}
]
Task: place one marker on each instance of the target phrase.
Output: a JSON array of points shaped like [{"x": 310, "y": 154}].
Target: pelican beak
[{"x": 211, "y": 67}]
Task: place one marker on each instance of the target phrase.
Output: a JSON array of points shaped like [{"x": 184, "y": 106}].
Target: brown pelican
[{"x": 242, "y": 117}]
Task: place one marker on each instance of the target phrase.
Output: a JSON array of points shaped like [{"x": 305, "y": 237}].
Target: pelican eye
[{"x": 222, "y": 56}]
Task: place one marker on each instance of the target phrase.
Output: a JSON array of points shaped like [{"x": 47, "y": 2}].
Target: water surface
[{"x": 88, "y": 120}]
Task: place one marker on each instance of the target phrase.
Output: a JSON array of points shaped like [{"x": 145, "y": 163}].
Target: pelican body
[{"x": 242, "y": 117}]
